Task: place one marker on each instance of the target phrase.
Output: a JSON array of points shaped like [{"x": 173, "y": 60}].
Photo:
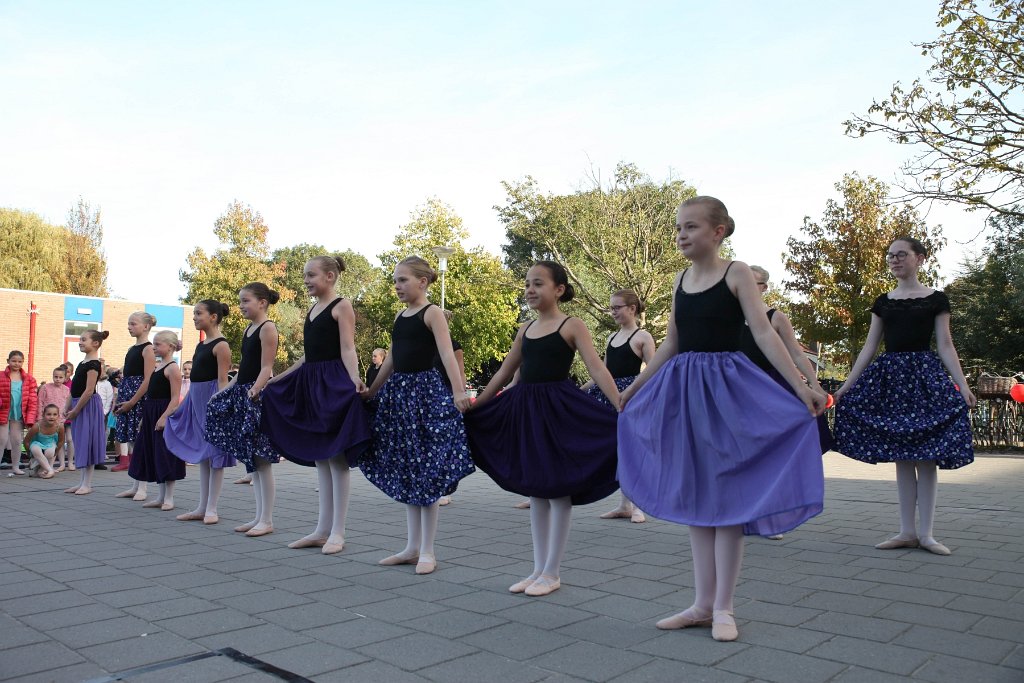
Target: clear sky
[{"x": 336, "y": 119}]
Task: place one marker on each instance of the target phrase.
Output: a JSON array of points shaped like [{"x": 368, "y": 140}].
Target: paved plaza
[{"x": 94, "y": 588}]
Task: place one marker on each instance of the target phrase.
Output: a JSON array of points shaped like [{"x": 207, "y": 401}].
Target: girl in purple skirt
[
  {"x": 233, "y": 414},
  {"x": 543, "y": 437},
  {"x": 312, "y": 412},
  {"x": 903, "y": 407},
  {"x": 629, "y": 347},
  {"x": 186, "y": 427},
  {"x": 138, "y": 367},
  {"x": 152, "y": 462},
  {"x": 705, "y": 437},
  {"x": 86, "y": 412},
  {"x": 419, "y": 450}
]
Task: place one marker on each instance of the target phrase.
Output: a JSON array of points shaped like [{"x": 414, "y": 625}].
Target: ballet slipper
[
  {"x": 84, "y": 491},
  {"x": 638, "y": 516},
  {"x": 167, "y": 507},
  {"x": 242, "y": 528},
  {"x": 247, "y": 479},
  {"x": 332, "y": 546},
  {"x": 71, "y": 489},
  {"x": 444, "y": 500},
  {"x": 125, "y": 494},
  {"x": 18, "y": 473},
  {"x": 71, "y": 468},
  {"x": 308, "y": 542},
  {"x": 689, "y": 617},
  {"x": 189, "y": 516},
  {"x": 521, "y": 586},
  {"x": 153, "y": 504},
  {"x": 544, "y": 585},
  {"x": 400, "y": 558},
  {"x": 211, "y": 519},
  {"x": 937, "y": 548},
  {"x": 723, "y": 626},
  {"x": 775, "y": 537},
  {"x": 49, "y": 474},
  {"x": 617, "y": 513},
  {"x": 139, "y": 496},
  {"x": 61, "y": 468},
  {"x": 897, "y": 542},
  {"x": 256, "y": 531},
  {"x": 426, "y": 565},
  {"x": 522, "y": 505}
]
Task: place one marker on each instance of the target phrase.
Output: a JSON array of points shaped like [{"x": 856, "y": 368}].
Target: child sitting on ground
[{"x": 44, "y": 441}]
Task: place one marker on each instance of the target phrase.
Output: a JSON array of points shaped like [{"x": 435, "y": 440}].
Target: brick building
[{"x": 60, "y": 320}]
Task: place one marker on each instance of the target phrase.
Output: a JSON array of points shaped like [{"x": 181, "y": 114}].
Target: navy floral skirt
[
  {"x": 419, "y": 450},
  {"x": 127, "y": 427},
  {"x": 233, "y": 425},
  {"x": 621, "y": 383},
  {"x": 905, "y": 407}
]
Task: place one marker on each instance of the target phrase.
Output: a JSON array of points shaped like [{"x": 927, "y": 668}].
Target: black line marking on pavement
[{"x": 228, "y": 652}]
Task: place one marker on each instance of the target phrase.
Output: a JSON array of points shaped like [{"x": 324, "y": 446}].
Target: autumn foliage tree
[{"x": 837, "y": 266}]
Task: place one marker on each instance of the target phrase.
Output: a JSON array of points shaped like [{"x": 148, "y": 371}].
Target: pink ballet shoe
[
  {"x": 688, "y": 618},
  {"x": 392, "y": 560},
  {"x": 167, "y": 507},
  {"x": 723, "y": 627},
  {"x": 617, "y": 513},
  {"x": 256, "y": 532},
  {"x": 544, "y": 585},
  {"x": 125, "y": 494},
  {"x": 332, "y": 547},
  {"x": 522, "y": 505},
  {"x": 307, "y": 542},
  {"x": 71, "y": 489},
  {"x": 242, "y": 528},
  {"x": 189, "y": 517},
  {"x": 139, "y": 497},
  {"x": 211, "y": 519},
  {"x": 937, "y": 548},
  {"x": 638, "y": 516},
  {"x": 444, "y": 500},
  {"x": 83, "y": 491},
  {"x": 897, "y": 542},
  {"x": 426, "y": 565},
  {"x": 521, "y": 586},
  {"x": 152, "y": 504}
]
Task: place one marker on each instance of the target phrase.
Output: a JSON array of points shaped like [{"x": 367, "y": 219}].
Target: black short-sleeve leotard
[{"x": 909, "y": 323}]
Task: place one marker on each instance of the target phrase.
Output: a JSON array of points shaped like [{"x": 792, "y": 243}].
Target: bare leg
[
  {"x": 411, "y": 553},
  {"x": 428, "y": 530},
  {"x": 325, "y": 489}
]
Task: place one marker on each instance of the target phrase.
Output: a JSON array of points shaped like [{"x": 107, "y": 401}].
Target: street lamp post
[{"x": 442, "y": 254}]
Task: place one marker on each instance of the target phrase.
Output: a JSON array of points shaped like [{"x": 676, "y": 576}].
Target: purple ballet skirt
[
  {"x": 314, "y": 414},
  {"x": 825, "y": 439},
  {"x": 546, "y": 440},
  {"x": 184, "y": 434},
  {"x": 127, "y": 426},
  {"x": 905, "y": 407},
  {"x": 233, "y": 425},
  {"x": 89, "y": 432},
  {"x": 711, "y": 440},
  {"x": 151, "y": 460}
]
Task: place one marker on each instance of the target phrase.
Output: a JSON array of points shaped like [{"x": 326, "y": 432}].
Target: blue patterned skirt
[
  {"x": 419, "y": 450},
  {"x": 621, "y": 383},
  {"x": 127, "y": 426},
  {"x": 905, "y": 407},
  {"x": 233, "y": 425}
]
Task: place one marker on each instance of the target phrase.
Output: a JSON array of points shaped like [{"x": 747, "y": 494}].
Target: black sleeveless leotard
[
  {"x": 412, "y": 343},
  {"x": 321, "y": 339},
  {"x": 711, "y": 320},
  {"x": 252, "y": 356},
  {"x": 204, "y": 363},
  {"x": 622, "y": 361},
  {"x": 547, "y": 358},
  {"x": 134, "y": 365}
]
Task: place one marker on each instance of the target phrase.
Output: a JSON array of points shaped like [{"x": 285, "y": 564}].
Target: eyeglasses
[
  {"x": 613, "y": 309},
  {"x": 898, "y": 257},
  {"x": 763, "y": 284}
]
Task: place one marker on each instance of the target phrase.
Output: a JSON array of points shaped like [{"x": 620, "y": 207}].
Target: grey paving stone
[
  {"x": 168, "y": 609},
  {"x": 945, "y": 669},
  {"x": 870, "y": 628},
  {"x": 313, "y": 659},
  {"x": 352, "y": 596},
  {"x": 416, "y": 651},
  {"x": 517, "y": 641},
  {"x": 308, "y": 616},
  {"x": 255, "y": 640},
  {"x": 843, "y": 602},
  {"x": 370, "y": 672},
  {"x": 590, "y": 661},
  {"x": 662, "y": 670},
  {"x": 994, "y": 608},
  {"x": 956, "y": 643},
  {"x": 778, "y": 637},
  {"x": 97, "y": 632},
  {"x": 486, "y": 602},
  {"x": 693, "y": 645},
  {"x": 139, "y": 596},
  {"x": 225, "y": 589},
  {"x": 208, "y": 622},
  {"x": 543, "y": 613},
  {"x": 453, "y": 623},
  {"x": 484, "y": 666},
  {"x": 859, "y": 674},
  {"x": 210, "y": 670},
  {"x": 624, "y": 607},
  {"x": 942, "y": 617},
  {"x": 356, "y": 633},
  {"x": 781, "y": 667},
  {"x": 398, "y": 609},
  {"x": 35, "y": 658},
  {"x": 889, "y": 657},
  {"x": 65, "y": 674},
  {"x": 130, "y": 653},
  {"x": 47, "y": 602},
  {"x": 784, "y": 615},
  {"x": 265, "y": 600}
]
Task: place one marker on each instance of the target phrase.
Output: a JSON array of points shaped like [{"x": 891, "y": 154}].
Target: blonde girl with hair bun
[
  {"x": 138, "y": 366},
  {"x": 152, "y": 461}
]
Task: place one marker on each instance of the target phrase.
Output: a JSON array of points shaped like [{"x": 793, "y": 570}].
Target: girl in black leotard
[{"x": 544, "y": 438}]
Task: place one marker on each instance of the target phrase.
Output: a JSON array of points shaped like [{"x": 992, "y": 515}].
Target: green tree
[
  {"x": 359, "y": 277},
  {"x": 838, "y": 269},
  {"x": 48, "y": 258},
  {"x": 966, "y": 116},
  {"x": 479, "y": 290},
  {"x": 242, "y": 257},
  {"x": 85, "y": 272},
  {"x": 987, "y": 300},
  {"x": 610, "y": 237}
]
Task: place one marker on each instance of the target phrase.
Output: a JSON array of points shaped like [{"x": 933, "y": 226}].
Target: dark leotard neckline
[
  {"x": 328, "y": 307},
  {"x": 628, "y": 339},
  {"x": 704, "y": 291},
  {"x": 557, "y": 330}
]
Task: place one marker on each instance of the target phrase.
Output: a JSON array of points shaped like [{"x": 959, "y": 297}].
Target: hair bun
[
  {"x": 341, "y": 263},
  {"x": 105, "y": 333},
  {"x": 224, "y": 310},
  {"x": 274, "y": 297},
  {"x": 569, "y": 294}
]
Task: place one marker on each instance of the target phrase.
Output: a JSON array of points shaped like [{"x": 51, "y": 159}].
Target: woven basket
[{"x": 990, "y": 386}]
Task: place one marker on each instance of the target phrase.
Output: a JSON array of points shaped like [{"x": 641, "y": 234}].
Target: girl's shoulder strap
[
  {"x": 726, "y": 273},
  {"x": 423, "y": 311},
  {"x": 771, "y": 312},
  {"x": 528, "y": 326},
  {"x": 567, "y": 318},
  {"x": 681, "y": 276},
  {"x": 630, "y": 337}
]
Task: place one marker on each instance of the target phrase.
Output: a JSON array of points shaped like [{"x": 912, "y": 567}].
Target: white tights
[
  {"x": 717, "y": 558},
  {"x": 421, "y": 522},
  {"x": 263, "y": 489},
  {"x": 138, "y": 487},
  {"x": 550, "y": 520},
  {"x": 211, "y": 480},
  {"x": 335, "y": 482},
  {"x": 918, "y": 483}
]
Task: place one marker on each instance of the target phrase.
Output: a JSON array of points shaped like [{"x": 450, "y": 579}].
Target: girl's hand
[
  {"x": 968, "y": 395},
  {"x": 463, "y": 403},
  {"x": 122, "y": 408},
  {"x": 814, "y": 400},
  {"x": 160, "y": 424},
  {"x": 624, "y": 398},
  {"x": 361, "y": 387},
  {"x": 839, "y": 393},
  {"x": 71, "y": 416},
  {"x": 254, "y": 393}
]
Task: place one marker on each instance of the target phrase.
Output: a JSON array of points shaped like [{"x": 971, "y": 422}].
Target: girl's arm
[
  {"x": 669, "y": 347},
  {"x": 148, "y": 364},
  {"x": 950, "y": 358},
  {"x": 222, "y": 353},
  {"x": 866, "y": 355},
  {"x": 507, "y": 372},
  {"x": 268, "y": 345},
  {"x": 90, "y": 388},
  {"x": 460, "y": 360},
  {"x": 647, "y": 346},
  {"x": 579, "y": 337},
  {"x": 784, "y": 328},
  {"x": 590, "y": 383},
  {"x": 741, "y": 282},
  {"x": 435, "y": 322},
  {"x": 173, "y": 375},
  {"x": 346, "y": 319},
  {"x": 28, "y": 438}
]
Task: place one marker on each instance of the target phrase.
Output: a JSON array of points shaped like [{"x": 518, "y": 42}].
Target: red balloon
[
  {"x": 829, "y": 402},
  {"x": 1017, "y": 393}
]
